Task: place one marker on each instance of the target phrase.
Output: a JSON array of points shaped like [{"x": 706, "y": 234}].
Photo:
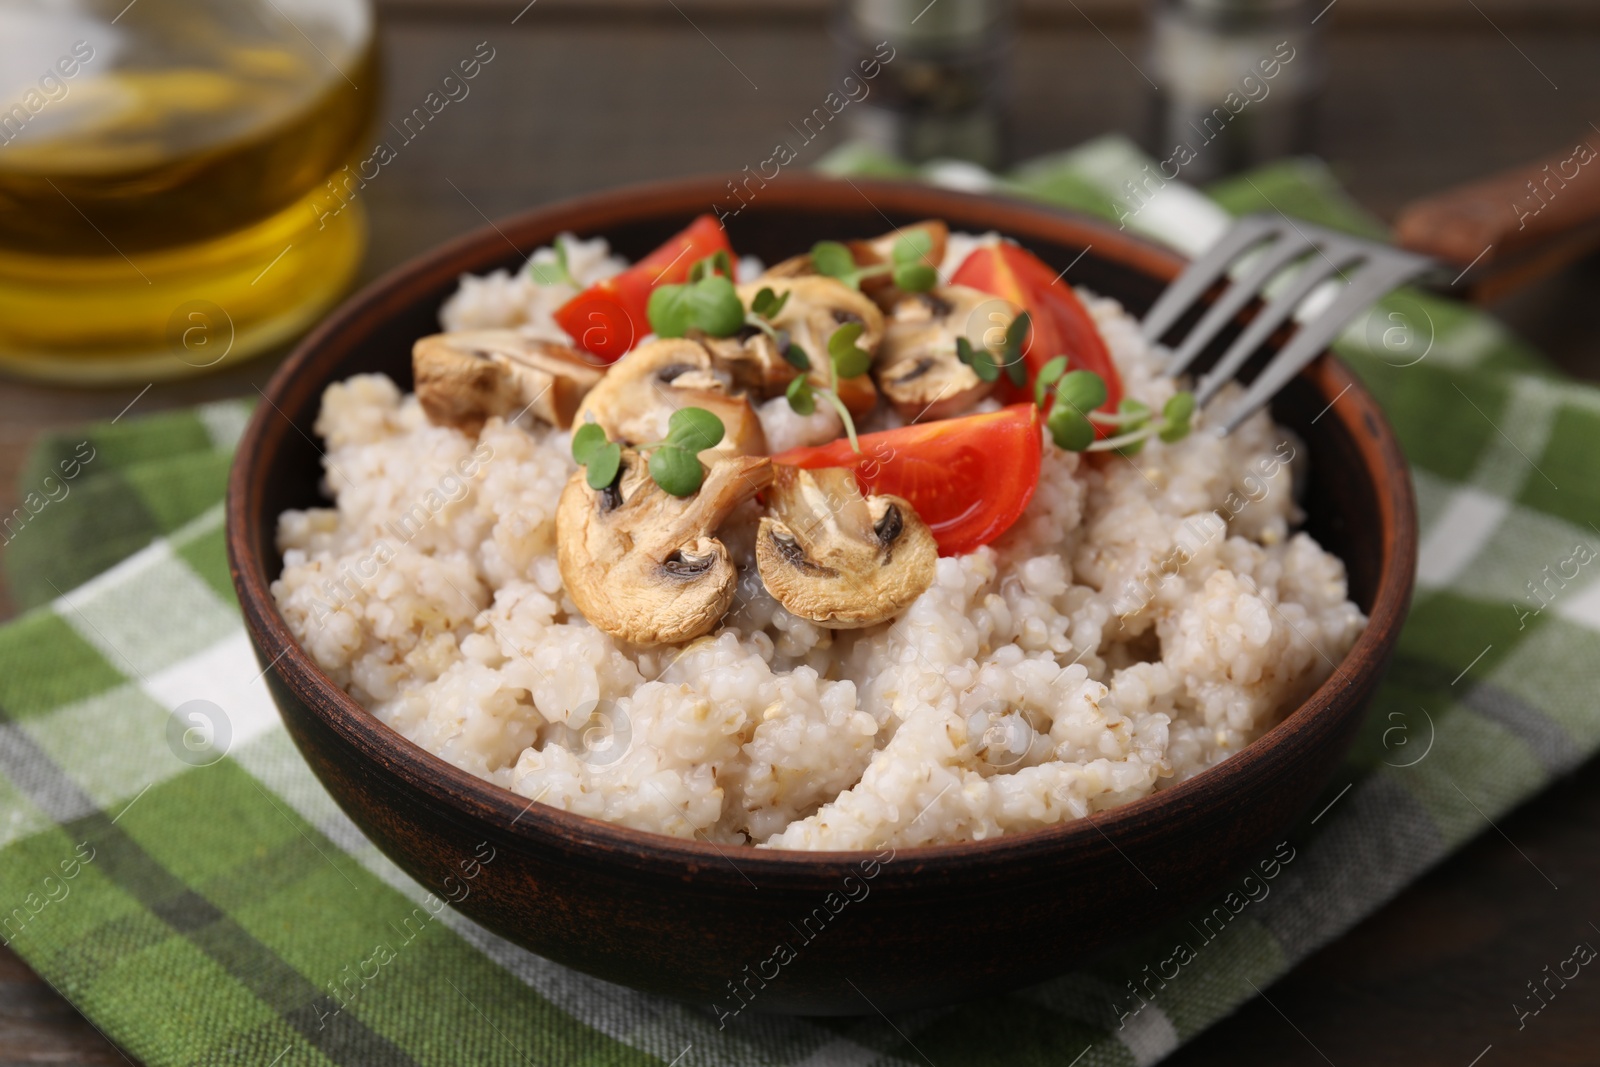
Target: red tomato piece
[
  {"x": 1060, "y": 324},
  {"x": 969, "y": 478},
  {"x": 608, "y": 318}
]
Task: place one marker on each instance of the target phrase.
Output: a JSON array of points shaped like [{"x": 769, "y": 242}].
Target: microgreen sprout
[
  {"x": 1075, "y": 413},
  {"x": 765, "y": 307},
  {"x": 768, "y": 304},
  {"x": 557, "y": 273},
  {"x": 1016, "y": 366},
  {"x": 707, "y": 302},
  {"x": 716, "y": 263},
  {"x": 987, "y": 367},
  {"x": 846, "y": 359},
  {"x": 674, "y": 463},
  {"x": 599, "y": 457},
  {"x": 979, "y": 359},
  {"x": 908, "y": 263}
]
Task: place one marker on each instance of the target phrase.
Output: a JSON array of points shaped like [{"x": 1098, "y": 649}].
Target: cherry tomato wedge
[
  {"x": 969, "y": 478},
  {"x": 1061, "y": 325},
  {"x": 608, "y": 318}
]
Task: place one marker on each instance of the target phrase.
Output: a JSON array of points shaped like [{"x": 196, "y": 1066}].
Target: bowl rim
[{"x": 509, "y": 813}]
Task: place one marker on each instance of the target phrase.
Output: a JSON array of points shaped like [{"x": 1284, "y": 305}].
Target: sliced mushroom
[
  {"x": 643, "y": 388},
  {"x": 828, "y": 554},
  {"x": 464, "y": 378},
  {"x": 816, "y": 307},
  {"x": 645, "y": 566},
  {"x": 918, "y": 366}
]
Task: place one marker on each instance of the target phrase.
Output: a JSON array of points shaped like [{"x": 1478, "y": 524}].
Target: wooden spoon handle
[{"x": 1513, "y": 227}]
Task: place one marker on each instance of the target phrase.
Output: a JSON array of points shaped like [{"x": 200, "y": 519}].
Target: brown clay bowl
[{"x": 692, "y": 921}]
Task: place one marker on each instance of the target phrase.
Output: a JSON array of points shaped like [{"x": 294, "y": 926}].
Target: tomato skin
[
  {"x": 608, "y": 318},
  {"x": 969, "y": 478},
  {"x": 1061, "y": 325}
]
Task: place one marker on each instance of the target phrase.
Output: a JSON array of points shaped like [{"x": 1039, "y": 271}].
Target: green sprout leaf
[
  {"x": 796, "y": 357},
  {"x": 834, "y": 260},
  {"x": 604, "y": 462},
  {"x": 557, "y": 273},
  {"x": 1011, "y": 350},
  {"x": 913, "y": 246},
  {"x": 717, "y": 309},
  {"x": 850, "y": 360},
  {"x": 710, "y": 304},
  {"x": 802, "y": 399},
  {"x": 1017, "y": 371},
  {"x": 1180, "y": 408},
  {"x": 1017, "y": 336},
  {"x": 768, "y": 304},
  {"x": 694, "y": 430},
  {"x": 1081, "y": 391},
  {"x": 600, "y": 457},
  {"x": 984, "y": 366},
  {"x": 1135, "y": 413},
  {"x": 978, "y": 359},
  {"x": 1069, "y": 429},
  {"x": 1049, "y": 374},
  {"x": 669, "y": 311},
  {"x": 1176, "y": 413},
  {"x": 915, "y": 277},
  {"x": 1135, "y": 416},
  {"x": 676, "y": 470},
  {"x": 716, "y": 263},
  {"x": 585, "y": 439}
]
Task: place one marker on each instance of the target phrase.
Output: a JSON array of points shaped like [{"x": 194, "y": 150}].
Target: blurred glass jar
[
  {"x": 161, "y": 168},
  {"x": 943, "y": 93},
  {"x": 1237, "y": 80}
]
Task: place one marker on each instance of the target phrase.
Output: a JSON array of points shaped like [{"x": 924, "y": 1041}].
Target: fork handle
[{"x": 1513, "y": 227}]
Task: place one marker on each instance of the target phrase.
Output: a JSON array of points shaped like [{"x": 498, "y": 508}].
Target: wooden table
[{"x": 582, "y": 97}]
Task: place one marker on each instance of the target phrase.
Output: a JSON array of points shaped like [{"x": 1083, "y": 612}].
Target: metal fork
[{"x": 1368, "y": 269}]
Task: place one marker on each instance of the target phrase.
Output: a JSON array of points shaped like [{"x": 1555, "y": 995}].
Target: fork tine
[
  {"x": 1202, "y": 273},
  {"x": 1275, "y": 257},
  {"x": 1275, "y": 314},
  {"x": 1379, "y": 275}
]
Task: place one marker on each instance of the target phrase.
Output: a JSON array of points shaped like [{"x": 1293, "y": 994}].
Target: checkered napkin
[{"x": 227, "y": 912}]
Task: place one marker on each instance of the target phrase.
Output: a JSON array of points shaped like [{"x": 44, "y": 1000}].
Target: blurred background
[{"x": 186, "y": 186}]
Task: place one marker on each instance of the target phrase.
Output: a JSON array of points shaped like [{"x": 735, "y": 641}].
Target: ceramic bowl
[{"x": 919, "y": 927}]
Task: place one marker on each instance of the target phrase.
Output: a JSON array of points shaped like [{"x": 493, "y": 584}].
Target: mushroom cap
[
  {"x": 464, "y": 378},
  {"x": 640, "y": 392},
  {"x": 831, "y": 555},
  {"x": 918, "y": 367},
  {"x": 645, "y": 566},
  {"x": 817, "y": 306}
]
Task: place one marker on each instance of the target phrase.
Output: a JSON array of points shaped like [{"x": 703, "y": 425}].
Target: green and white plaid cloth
[{"x": 229, "y": 913}]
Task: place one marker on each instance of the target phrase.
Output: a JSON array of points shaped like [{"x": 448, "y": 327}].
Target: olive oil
[{"x": 161, "y": 168}]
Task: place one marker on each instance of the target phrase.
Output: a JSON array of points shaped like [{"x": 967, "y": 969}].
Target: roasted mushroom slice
[
  {"x": 919, "y": 367},
  {"x": 643, "y": 388},
  {"x": 828, "y": 554},
  {"x": 645, "y": 566},
  {"x": 815, "y": 307},
  {"x": 464, "y": 378}
]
